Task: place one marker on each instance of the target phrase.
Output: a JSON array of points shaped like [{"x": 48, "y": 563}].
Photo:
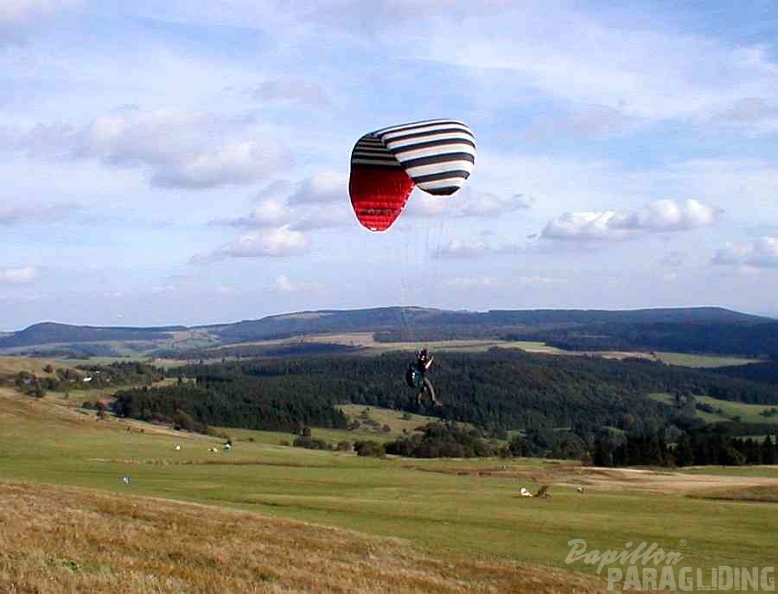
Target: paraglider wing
[
  {"x": 378, "y": 185},
  {"x": 438, "y": 155}
]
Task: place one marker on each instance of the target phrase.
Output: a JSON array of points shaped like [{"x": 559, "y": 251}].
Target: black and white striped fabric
[
  {"x": 370, "y": 151},
  {"x": 438, "y": 155}
]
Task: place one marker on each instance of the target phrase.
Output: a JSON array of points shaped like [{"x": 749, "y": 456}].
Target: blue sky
[{"x": 186, "y": 162}]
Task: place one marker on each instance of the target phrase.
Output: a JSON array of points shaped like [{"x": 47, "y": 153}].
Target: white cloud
[
  {"x": 285, "y": 285},
  {"x": 17, "y": 276},
  {"x": 185, "y": 149},
  {"x": 461, "y": 249},
  {"x": 762, "y": 253},
  {"x": 640, "y": 73},
  {"x": 666, "y": 215},
  {"x": 659, "y": 216},
  {"x": 321, "y": 188},
  {"x": 467, "y": 202},
  {"x": 236, "y": 163},
  {"x": 303, "y": 206},
  {"x": 583, "y": 225},
  {"x": 457, "y": 249},
  {"x": 279, "y": 242},
  {"x": 748, "y": 185},
  {"x": 269, "y": 213}
]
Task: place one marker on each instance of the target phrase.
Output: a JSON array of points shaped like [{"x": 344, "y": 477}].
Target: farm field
[
  {"x": 440, "y": 508},
  {"x": 749, "y": 413},
  {"x": 702, "y": 361}
]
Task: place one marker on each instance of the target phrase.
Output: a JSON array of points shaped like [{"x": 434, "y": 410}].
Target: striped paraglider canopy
[{"x": 435, "y": 155}]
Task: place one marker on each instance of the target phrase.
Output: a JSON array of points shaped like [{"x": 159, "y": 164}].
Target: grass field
[
  {"x": 77, "y": 540},
  {"x": 749, "y": 413},
  {"x": 702, "y": 361},
  {"x": 442, "y": 509}
]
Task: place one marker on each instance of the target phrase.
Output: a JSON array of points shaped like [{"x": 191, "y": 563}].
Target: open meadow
[{"x": 446, "y": 519}]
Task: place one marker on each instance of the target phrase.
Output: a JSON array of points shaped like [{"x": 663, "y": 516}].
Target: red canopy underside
[{"x": 378, "y": 194}]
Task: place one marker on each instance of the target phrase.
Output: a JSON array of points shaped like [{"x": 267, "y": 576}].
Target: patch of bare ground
[
  {"x": 570, "y": 476},
  {"x": 61, "y": 539}
]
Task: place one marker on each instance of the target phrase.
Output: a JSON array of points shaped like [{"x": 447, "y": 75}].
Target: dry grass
[
  {"x": 13, "y": 365},
  {"x": 760, "y": 493},
  {"x": 58, "y": 539}
]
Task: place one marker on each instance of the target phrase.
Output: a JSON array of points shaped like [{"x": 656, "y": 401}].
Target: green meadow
[
  {"x": 464, "y": 507},
  {"x": 743, "y": 411}
]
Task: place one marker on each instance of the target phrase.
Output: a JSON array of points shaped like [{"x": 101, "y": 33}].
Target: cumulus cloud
[
  {"x": 762, "y": 253},
  {"x": 458, "y": 249},
  {"x": 631, "y": 63},
  {"x": 183, "y": 149},
  {"x": 466, "y": 203},
  {"x": 17, "y": 276},
  {"x": 304, "y": 205},
  {"x": 649, "y": 74},
  {"x": 269, "y": 213},
  {"x": 321, "y": 188},
  {"x": 286, "y": 285},
  {"x": 236, "y": 163},
  {"x": 273, "y": 243},
  {"x": 292, "y": 89},
  {"x": 13, "y": 215},
  {"x": 659, "y": 216}
]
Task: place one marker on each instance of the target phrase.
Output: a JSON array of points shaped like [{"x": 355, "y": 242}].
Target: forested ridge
[
  {"x": 501, "y": 402},
  {"x": 497, "y": 391},
  {"x": 688, "y": 330}
]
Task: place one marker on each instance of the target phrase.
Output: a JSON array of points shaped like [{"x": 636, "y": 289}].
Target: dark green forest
[{"x": 562, "y": 406}]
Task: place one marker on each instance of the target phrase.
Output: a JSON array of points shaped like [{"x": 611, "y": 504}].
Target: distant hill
[
  {"x": 53, "y": 333},
  {"x": 696, "y": 330},
  {"x": 410, "y": 320}
]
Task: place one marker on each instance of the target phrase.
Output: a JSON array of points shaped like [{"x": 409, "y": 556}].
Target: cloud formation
[
  {"x": 17, "y": 276},
  {"x": 273, "y": 243},
  {"x": 657, "y": 217},
  {"x": 467, "y": 202},
  {"x": 458, "y": 249},
  {"x": 762, "y": 253},
  {"x": 179, "y": 149},
  {"x": 305, "y": 205},
  {"x": 649, "y": 74},
  {"x": 286, "y": 285}
]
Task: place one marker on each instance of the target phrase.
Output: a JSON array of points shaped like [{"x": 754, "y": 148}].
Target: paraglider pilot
[{"x": 416, "y": 376}]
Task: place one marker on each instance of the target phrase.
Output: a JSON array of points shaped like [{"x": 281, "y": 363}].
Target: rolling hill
[{"x": 686, "y": 330}]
